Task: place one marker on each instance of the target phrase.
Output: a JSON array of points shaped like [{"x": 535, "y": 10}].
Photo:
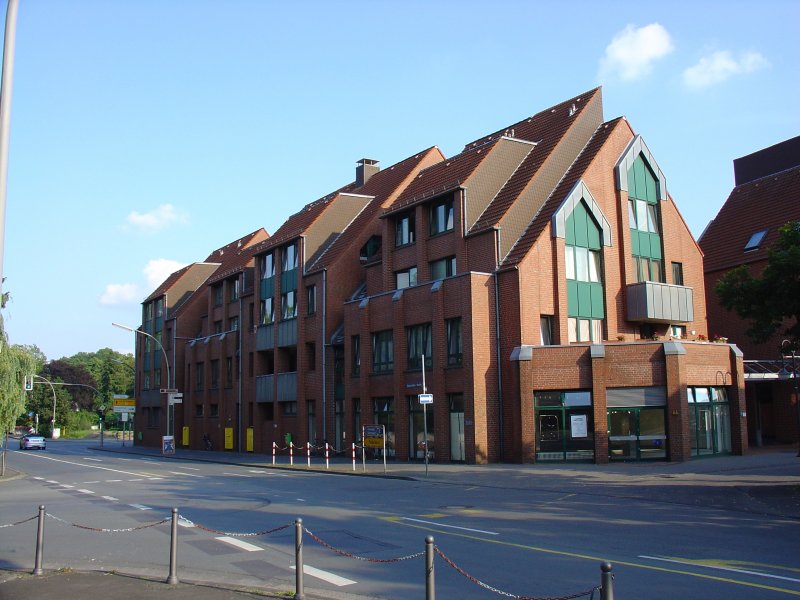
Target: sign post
[
  {"x": 425, "y": 398},
  {"x": 374, "y": 436}
]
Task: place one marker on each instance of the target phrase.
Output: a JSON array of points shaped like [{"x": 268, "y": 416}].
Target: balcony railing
[
  {"x": 287, "y": 387},
  {"x": 265, "y": 390},
  {"x": 287, "y": 333},
  {"x": 653, "y": 302},
  {"x": 265, "y": 337}
]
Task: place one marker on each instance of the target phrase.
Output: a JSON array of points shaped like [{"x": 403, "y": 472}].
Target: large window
[
  {"x": 268, "y": 266},
  {"x": 384, "y": 415},
  {"x": 418, "y": 339},
  {"x": 564, "y": 425},
  {"x": 289, "y": 257},
  {"x": 382, "y": 352},
  {"x": 406, "y": 278},
  {"x": 583, "y": 267},
  {"x": 267, "y": 311},
  {"x": 709, "y": 420},
  {"x": 441, "y": 217},
  {"x": 454, "y": 349},
  {"x": 289, "y": 305},
  {"x": 218, "y": 295},
  {"x": 214, "y": 374},
  {"x": 199, "y": 371},
  {"x": 233, "y": 284},
  {"x": 677, "y": 273},
  {"x": 644, "y": 222},
  {"x": 311, "y": 299},
  {"x": 445, "y": 267},
  {"x": 404, "y": 230}
]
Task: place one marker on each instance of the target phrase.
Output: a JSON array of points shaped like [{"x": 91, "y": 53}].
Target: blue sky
[{"x": 147, "y": 133}]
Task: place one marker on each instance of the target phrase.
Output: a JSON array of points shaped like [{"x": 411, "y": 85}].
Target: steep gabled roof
[
  {"x": 764, "y": 204},
  {"x": 571, "y": 177},
  {"x": 442, "y": 177},
  {"x": 296, "y": 224},
  {"x": 546, "y": 129},
  {"x": 234, "y": 257},
  {"x": 383, "y": 185}
]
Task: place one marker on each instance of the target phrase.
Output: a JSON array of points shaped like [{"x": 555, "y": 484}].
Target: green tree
[{"x": 770, "y": 302}]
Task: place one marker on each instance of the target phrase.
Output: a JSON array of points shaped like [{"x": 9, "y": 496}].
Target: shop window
[{"x": 564, "y": 425}]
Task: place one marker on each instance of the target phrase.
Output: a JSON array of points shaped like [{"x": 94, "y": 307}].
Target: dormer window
[
  {"x": 755, "y": 240},
  {"x": 370, "y": 249}
]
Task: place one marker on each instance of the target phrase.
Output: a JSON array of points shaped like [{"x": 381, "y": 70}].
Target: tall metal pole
[
  {"x": 166, "y": 362},
  {"x": 5, "y": 115},
  {"x": 793, "y": 349},
  {"x": 425, "y": 418}
]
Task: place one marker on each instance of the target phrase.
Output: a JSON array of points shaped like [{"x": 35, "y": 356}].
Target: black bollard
[
  {"x": 37, "y": 568},
  {"x": 606, "y": 582},
  {"x": 299, "y": 594},
  {"x": 430, "y": 584}
]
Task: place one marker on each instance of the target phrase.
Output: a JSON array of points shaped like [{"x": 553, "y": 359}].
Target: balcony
[
  {"x": 287, "y": 387},
  {"x": 287, "y": 333},
  {"x": 653, "y": 302},
  {"x": 265, "y": 391},
  {"x": 265, "y": 337}
]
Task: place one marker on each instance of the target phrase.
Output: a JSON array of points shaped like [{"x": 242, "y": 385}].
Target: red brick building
[
  {"x": 542, "y": 284},
  {"x": 766, "y": 196}
]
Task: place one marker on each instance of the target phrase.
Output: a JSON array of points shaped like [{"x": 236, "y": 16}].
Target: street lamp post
[
  {"x": 53, "y": 420},
  {"x": 793, "y": 350},
  {"x": 166, "y": 364}
]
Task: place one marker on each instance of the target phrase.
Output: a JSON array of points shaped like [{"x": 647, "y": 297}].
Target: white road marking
[
  {"x": 51, "y": 481},
  {"x": 732, "y": 570},
  {"x": 153, "y": 478},
  {"x": 82, "y": 491},
  {"x": 69, "y": 462},
  {"x": 113, "y": 480},
  {"x": 90, "y": 482},
  {"x": 110, "y": 498},
  {"x": 236, "y": 474},
  {"x": 92, "y": 459},
  {"x": 187, "y": 474},
  {"x": 450, "y": 526},
  {"x": 185, "y": 522},
  {"x": 191, "y": 468},
  {"x": 239, "y": 544},
  {"x": 38, "y": 478},
  {"x": 135, "y": 479},
  {"x": 140, "y": 506},
  {"x": 66, "y": 485},
  {"x": 325, "y": 576}
]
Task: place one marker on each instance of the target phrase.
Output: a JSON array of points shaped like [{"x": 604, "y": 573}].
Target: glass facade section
[
  {"x": 564, "y": 425},
  {"x": 709, "y": 421}
]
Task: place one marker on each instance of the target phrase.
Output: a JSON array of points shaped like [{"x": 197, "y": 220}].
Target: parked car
[{"x": 28, "y": 442}]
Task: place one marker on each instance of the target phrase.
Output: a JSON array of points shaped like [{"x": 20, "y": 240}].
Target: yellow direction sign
[{"x": 124, "y": 405}]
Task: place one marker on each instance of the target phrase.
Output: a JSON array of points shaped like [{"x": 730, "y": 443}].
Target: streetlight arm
[{"x": 155, "y": 339}]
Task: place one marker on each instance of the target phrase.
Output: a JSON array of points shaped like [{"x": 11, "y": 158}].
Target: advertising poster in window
[{"x": 578, "y": 425}]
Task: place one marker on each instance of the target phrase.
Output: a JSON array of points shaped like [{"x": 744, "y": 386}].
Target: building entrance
[{"x": 637, "y": 433}]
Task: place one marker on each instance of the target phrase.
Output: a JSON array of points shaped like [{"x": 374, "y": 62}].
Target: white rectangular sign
[{"x": 426, "y": 398}]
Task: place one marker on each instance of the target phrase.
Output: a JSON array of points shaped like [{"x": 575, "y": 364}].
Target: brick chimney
[{"x": 366, "y": 168}]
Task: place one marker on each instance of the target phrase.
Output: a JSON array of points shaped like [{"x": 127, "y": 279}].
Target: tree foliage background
[
  {"x": 106, "y": 371},
  {"x": 770, "y": 302}
]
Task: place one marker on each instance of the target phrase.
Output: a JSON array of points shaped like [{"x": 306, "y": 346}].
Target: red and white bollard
[
  {"x": 308, "y": 455},
  {"x": 274, "y": 449},
  {"x": 354, "y": 456},
  {"x": 291, "y": 453},
  {"x": 327, "y": 456}
]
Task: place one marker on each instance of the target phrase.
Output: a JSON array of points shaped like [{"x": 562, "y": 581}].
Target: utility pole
[{"x": 5, "y": 116}]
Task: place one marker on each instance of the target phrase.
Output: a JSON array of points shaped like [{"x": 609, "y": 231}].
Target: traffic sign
[
  {"x": 124, "y": 405},
  {"x": 168, "y": 391},
  {"x": 174, "y": 398},
  {"x": 426, "y": 398}
]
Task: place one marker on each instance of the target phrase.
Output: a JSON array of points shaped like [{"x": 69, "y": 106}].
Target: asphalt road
[{"x": 534, "y": 532}]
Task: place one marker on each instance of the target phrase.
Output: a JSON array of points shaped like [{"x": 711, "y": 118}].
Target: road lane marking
[
  {"x": 110, "y": 498},
  {"x": 720, "y": 568},
  {"x": 113, "y": 480},
  {"x": 239, "y": 544},
  {"x": 90, "y": 482},
  {"x": 140, "y": 506},
  {"x": 80, "y": 464},
  {"x": 590, "y": 557},
  {"x": 68, "y": 486},
  {"x": 92, "y": 459},
  {"x": 187, "y": 474},
  {"x": 51, "y": 481},
  {"x": 450, "y": 526},
  {"x": 84, "y": 491},
  {"x": 325, "y": 576},
  {"x": 237, "y": 475}
]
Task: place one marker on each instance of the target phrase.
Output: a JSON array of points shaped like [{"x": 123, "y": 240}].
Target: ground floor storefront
[{"x": 630, "y": 402}]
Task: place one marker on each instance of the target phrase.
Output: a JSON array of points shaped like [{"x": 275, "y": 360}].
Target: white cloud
[
  {"x": 157, "y": 219},
  {"x": 158, "y": 269},
  {"x": 632, "y": 52},
  {"x": 120, "y": 293},
  {"x": 719, "y": 66}
]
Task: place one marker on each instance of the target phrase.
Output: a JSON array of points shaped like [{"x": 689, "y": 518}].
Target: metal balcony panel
[
  {"x": 265, "y": 390},
  {"x": 265, "y": 337},
  {"x": 653, "y": 302},
  {"x": 287, "y": 387},
  {"x": 287, "y": 333}
]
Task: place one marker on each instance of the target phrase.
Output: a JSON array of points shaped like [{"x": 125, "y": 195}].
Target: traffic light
[{"x": 28, "y": 383}]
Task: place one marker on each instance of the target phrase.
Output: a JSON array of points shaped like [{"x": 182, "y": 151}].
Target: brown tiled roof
[
  {"x": 442, "y": 177},
  {"x": 234, "y": 257},
  {"x": 382, "y": 186},
  {"x": 571, "y": 177},
  {"x": 295, "y": 225},
  {"x": 766, "y": 203},
  {"x": 167, "y": 284},
  {"x": 546, "y": 129}
]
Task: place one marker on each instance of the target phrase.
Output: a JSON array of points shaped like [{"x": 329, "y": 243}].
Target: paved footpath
[{"x": 765, "y": 481}]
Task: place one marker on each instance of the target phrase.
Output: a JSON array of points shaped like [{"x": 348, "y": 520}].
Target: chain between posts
[{"x": 353, "y": 556}]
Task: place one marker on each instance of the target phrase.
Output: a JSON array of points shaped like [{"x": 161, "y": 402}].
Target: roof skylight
[{"x": 755, "y": 240}]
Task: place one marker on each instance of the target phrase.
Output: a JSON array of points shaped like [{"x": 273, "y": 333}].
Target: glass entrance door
[{"x": 637, "y": 433}]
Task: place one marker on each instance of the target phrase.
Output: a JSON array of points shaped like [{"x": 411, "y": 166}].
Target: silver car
[{"x": 28, "y": 442}]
